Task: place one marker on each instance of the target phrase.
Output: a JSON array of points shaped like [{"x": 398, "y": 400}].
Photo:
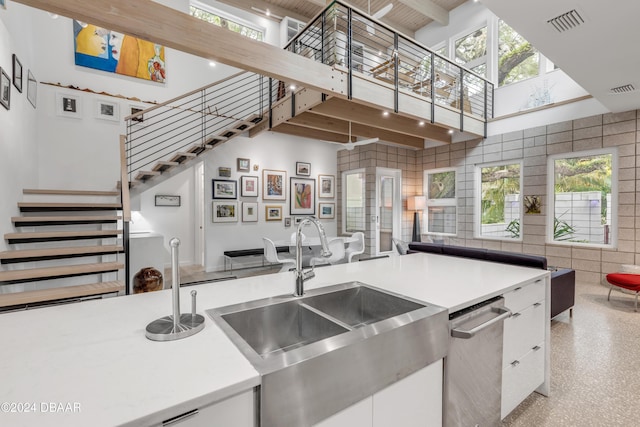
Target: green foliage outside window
[
  {"x": 226, "y": 23},
  {"x": 517, "y": 59},
  {"x": 497, "y": 182}
]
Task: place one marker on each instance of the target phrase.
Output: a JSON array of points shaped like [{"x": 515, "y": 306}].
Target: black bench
[{"x": 230, "y": 255}]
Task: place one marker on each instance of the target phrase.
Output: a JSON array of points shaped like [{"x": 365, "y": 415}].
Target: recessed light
[
  {"x": 268, "y": 12},
  {"x": 292, "y": 87},
  {"x": 421, "y": 123},
  {"x": 385, "y": 113},
  {"x": 212, "y": 64},
  {"x": 450, "y": 131}
]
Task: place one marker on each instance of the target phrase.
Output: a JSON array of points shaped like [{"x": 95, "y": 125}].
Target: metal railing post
[
  {"x": 349, "y": 58},
  {"x": 396, "y": 69}
]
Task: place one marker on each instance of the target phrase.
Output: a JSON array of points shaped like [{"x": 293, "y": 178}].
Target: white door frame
[
  {"x": 198, "y": 197},
  {"x": 396, "y": 174}
]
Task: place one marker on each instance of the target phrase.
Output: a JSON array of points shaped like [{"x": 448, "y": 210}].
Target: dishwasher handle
[{"x": 461, "y": 333}]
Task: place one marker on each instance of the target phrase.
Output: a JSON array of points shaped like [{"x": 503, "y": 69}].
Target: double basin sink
[{"x": 322, "y": 352}]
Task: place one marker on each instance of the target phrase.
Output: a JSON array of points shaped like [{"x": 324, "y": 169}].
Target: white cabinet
[
  {"x": 235, "y": 411},
  {"x": 411, "y": 402},
  {"x": 524, "y": 344}
]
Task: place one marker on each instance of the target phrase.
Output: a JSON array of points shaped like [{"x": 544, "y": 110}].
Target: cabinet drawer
[
  {"x": 522, "y": 331},
  {"x": 525, "y": 295},
  {"x": 521, "y": 378}
]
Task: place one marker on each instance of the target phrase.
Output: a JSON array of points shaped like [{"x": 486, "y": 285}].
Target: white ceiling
[{"x": 600, "y": 54}]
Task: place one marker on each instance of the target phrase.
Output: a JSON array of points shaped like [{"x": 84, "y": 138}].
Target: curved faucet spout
[{"x": 301, "y": 276}]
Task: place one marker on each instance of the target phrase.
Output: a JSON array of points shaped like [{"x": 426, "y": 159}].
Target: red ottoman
[{"x": 626, "y": 281}]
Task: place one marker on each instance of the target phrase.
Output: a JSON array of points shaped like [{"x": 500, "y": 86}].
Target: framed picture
[
  {"x": 249, "y": 212},
  {"x": 326, "y": 210},
  {"x": 326, "y": 186},
  {"x": 68, "y": 105},
  {"x": 167, "y": 200},
  {"x": 303, "y": 169},
  {"x": 135, "y": 109},
  {"x": 5, "y": 89},
  {"x": 17, "y": 73},
  {"x": 249, "y": 186},
  {"x": 244, "y": 165},
  {"x": 107, "y": 110},
  {"x": 224, "y": 172},
  {"x": 273, "y": 213},
  {"x": 32, "y": 88},
  {"x": 303, "y": 196},
  {"x": 297, "y": 220},
  {"x": 224, "y": 211},
  {"x": 274, "y": 185},
  {"x": 287, "y": 222},
  {"x": 225, "y": 189}
]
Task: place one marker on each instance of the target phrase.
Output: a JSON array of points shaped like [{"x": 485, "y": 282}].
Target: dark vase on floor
[{"x": 147, "y": 279}]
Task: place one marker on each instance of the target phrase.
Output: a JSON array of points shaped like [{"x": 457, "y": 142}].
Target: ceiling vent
[
  {"x": 566, "y": 21},
  {"x": 623, "y": 89}
]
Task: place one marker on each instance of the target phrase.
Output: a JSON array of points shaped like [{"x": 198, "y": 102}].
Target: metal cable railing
[
  {"x": 344, "y": 37},
  {"x": 195, "y": 121}
]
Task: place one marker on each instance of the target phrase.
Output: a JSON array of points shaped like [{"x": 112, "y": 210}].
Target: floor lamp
[{"x": 416, "y": 204}]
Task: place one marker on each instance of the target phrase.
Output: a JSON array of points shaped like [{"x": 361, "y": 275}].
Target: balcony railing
[{"x": 342, "y": 36}]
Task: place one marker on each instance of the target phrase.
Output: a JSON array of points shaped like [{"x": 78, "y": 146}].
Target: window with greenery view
[
  {"x": 498, "y": 201},
  {"x": 229, "y": 24},
  {"x": 353, "y": 201},
  {"x": 584, "y": 198},
  {"x": 440, "y": 192},
  {"x": 517, "y": 59},
  {"x": 471, "y": 47}
]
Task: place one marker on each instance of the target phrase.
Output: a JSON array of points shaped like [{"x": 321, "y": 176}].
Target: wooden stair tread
[
  {"x": 182, "y": 157},
  {"x": 163, "y": 166},
  {"x": 40, "y": 206},
  {"x": 65, "y": 218},
  {"x": 61, "y": 235},
  {"x": 66, "y": 292},
  {"x": 69, "y": 192},
  {"x": 59, "y": 271},
  {"x": 144, "y": 175},
  {"x": 70, "y": 250}
]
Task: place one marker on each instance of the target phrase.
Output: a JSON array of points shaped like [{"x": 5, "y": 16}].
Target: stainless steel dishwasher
[{"x": 473, "y": 366}]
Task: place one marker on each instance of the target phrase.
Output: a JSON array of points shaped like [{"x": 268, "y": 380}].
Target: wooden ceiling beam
[
  {"x": 152, "y": 21},
  {"x": 331, "y": 124},
  {"x": 304, "y": 132},
  {"x": 430, "y": 9},
  {"x": 358, "y": 113}
]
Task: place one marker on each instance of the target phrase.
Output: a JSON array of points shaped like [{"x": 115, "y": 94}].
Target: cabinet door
[
  {"x": 521, "y": 377},
  {"x": 236, "y": 411},
  {"x": 411, "y": 402},
  {"x": 357, "y": 415},
  {"x": 522, "y": 331}
]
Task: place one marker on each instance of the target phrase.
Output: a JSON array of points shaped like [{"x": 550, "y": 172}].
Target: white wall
[
  {"x": 18, "y": 147},
  {"x": 270, "y": 151}
]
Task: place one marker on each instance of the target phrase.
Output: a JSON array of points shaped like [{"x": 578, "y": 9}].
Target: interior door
[{"x": 388, "y": 208}]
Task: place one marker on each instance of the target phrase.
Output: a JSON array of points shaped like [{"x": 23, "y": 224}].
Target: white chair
[
  {"x": 355, "y": 248},
  {"x": 271, "y": 255},
  {"x": 336, "y": 246}
]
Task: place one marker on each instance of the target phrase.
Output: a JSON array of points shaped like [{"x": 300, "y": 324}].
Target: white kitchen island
[{"x": 90, "y": 363}]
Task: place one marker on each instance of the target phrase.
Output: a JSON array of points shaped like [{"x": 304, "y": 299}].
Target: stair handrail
[{"x": 125, "y": 201}]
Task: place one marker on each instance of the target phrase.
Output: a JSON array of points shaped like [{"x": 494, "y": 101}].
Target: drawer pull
[
  {"x": 517, "y": 289},
  {"x": 539, "y": 280},
  {"x": 516, "y": 314},
  {"x": 179, "y": 418},
  {"x": 515, "y": 363},
  {"x": 538, "y": 304},
  {"x": 536, "y": 348}
]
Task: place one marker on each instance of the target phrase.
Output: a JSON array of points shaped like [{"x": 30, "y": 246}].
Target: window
[
  {"x": 209, "y": 15},
  {"x": 440, "y": 192},
  {"x": 353, "y": 201},
  {"x": 517, "y": 59},
  {"x": 498, "y": 201},
  {"x": 471, "y": 50},
  {"x": 583, "y": 198}
]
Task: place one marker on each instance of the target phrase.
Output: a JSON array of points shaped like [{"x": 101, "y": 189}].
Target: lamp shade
[{"x": 416, "y": 203}]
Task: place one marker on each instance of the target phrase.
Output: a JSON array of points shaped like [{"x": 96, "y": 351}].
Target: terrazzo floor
[
  {"x": 595, "y": 366},
  {"x": 595, "y": 360}
]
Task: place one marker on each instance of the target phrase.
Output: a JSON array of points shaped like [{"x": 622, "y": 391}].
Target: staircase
[{"x": 65, "y": 248}]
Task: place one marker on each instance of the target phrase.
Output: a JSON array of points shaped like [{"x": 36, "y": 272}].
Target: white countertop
[{"x": 94, "y": 355}]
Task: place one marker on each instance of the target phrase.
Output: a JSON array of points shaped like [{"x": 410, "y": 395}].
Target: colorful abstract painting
[{"x": 114, "y": 52}]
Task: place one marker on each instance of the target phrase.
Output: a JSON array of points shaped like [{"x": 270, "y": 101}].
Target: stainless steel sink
[
  {"x": 322, "y": 352},
  {"x": 281, "y": 327}
]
